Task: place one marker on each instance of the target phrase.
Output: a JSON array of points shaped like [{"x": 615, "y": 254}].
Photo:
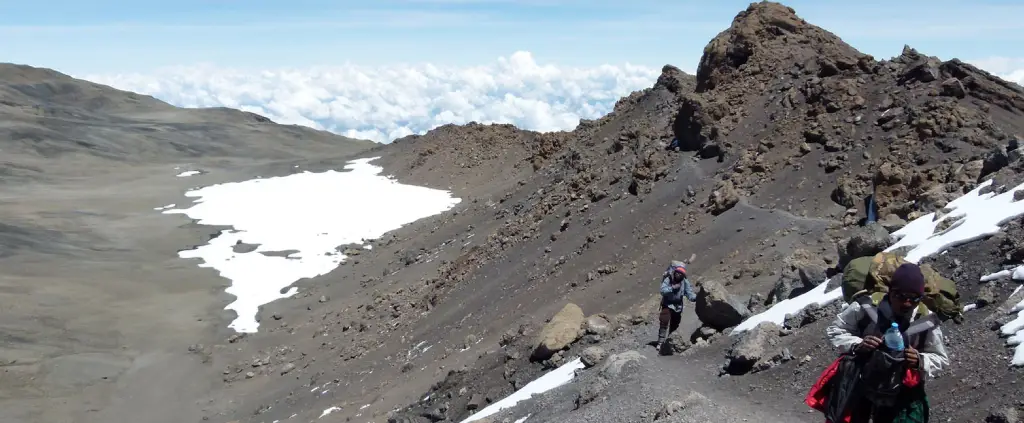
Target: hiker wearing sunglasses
[
  {"x": 674, "y": 286},
  {"x": 889, "y": 388}
]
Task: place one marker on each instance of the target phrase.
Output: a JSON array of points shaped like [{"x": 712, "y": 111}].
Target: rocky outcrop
[{"x": 863, "y": 241}]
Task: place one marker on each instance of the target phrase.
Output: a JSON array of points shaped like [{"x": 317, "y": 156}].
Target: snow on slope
[
  {"x": 973, "y": 216},
  {"x": 304, "y": 218},
  {"x": 551, "y": 380}
]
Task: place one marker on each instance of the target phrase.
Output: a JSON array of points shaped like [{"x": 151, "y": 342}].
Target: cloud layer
[
  {"x": 388, "y": 102},
  {"x": 383, "y": 103}
]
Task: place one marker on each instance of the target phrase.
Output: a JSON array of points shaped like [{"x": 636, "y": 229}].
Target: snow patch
[
  {"x": 777, "y": 314},
  {"x": 1016, "y": 274},
  {"x": 311, "y": 213},
  {"x": 551, "y": 380},
  {"x": 329, "y": 411},
  {"x": 188, "y": 173},
  {"x": 975, "y": 216},
  {"x": 996, "y": 276},
  {"x": 1015, "y": 330}
]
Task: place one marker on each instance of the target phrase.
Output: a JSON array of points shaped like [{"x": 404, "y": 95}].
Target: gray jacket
[{"x": 673, "y": 298}]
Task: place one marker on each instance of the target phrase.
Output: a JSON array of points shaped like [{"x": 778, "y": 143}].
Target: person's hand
[
  {"x": 869, "y": 344},
  {"x": 912, "y": 357}
]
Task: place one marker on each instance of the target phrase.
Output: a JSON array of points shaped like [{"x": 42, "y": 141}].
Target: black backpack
[{"x": 880, "y": 379}]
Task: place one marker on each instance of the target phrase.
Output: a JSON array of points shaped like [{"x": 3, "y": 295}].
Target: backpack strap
[
  {"x": 920, "y": 326},
  {"x": 926, "y": 323},
  {"x": 870, "y": 312}
]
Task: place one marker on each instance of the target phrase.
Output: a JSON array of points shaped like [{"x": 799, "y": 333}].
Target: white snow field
[
  {"x": 307, "y": 214},
  {"x": 975, "y": 216},
  {"x": 550, "y": 380}
]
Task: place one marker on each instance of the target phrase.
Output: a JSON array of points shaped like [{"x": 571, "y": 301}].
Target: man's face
[{"x": 903, "y": 303}]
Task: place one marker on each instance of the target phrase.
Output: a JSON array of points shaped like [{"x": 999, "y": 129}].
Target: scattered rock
[
  {"x": 475, "y": 402},
  {"x": 753, "y": 346},
  {"x": 614, "y": 366},
  {"x": 892, "y": 223},
  {"x": 592, "y": 355},
  {"x": 723, "y": 198},
  {"x": 864, "y": 241},
  {"x": 287, "y": 368},
  {"x": 1004, "y": 415},
  {"x": 952, "y": 87},
  {"x": 986, "y": 295},
  {"x": 598, "y": 325},
  {"x": 668, "y": 408}
]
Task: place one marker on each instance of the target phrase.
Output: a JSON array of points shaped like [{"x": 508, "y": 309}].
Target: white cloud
[
  {"x": 1008, "y": 68},
  {"x": 388, "y": 102}
]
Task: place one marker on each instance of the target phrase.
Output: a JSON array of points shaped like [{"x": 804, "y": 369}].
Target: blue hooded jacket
[{"x": 673, "y": 298}]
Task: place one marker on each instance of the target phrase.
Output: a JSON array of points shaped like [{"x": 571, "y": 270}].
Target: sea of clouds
[{"x": 383, "y": 103}]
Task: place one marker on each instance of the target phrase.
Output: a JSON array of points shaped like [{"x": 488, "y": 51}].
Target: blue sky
[{"x": 138, "y": 36}]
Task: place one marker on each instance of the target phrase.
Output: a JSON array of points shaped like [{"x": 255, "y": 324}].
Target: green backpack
[{"x": 871, "y": 274}]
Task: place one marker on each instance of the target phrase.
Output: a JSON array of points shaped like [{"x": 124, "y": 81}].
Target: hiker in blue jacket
[{"x": 674, "y": 286}]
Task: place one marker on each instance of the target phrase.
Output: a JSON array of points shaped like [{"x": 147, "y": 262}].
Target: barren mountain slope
[
  {"x": 98, "y": 310},
  {"x": 782, "y": 132}
]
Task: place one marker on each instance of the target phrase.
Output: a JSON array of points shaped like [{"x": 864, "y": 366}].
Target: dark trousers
[{"x": 668, "y": 322}]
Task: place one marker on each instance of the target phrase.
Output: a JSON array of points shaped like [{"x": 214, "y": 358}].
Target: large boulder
[
  {"x": 801, "y": 272},
  {"x": 866, "y": 240},
  {"x": 613, "y": 367},
  {"x": 609, "y": 371},
  {"x": 723, "y": 198},
  {"x": 563, "y": 329},
  {"x": 757, "y": 349},
  {"x": 718, "y": 309}
]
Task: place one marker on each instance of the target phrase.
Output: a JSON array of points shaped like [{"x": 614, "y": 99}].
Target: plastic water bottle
[{"x": 893, "y": 338}]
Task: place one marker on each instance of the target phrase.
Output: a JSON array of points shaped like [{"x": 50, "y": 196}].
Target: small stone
[
  {"x": 592, "y": 355},
  {"x": 287, "y": 368},
  {"x": 1005, "y": 415}
]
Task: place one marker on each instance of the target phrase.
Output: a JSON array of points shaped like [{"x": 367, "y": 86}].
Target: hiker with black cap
[
  {"x": 884, "y": 372},
  {"x": 674, "y": 286}
]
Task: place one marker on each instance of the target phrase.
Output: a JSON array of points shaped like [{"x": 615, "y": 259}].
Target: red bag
[{"x": 817, "y": 397}]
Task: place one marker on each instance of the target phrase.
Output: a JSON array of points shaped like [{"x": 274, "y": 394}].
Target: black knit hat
[{"x": 908, "y": 279}]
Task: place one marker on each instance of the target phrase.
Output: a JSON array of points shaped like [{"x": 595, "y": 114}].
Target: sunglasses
[{"x": 901, "y": 296}]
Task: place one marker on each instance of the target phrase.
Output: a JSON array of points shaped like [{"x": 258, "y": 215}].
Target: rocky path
[{"x": 743, "y": 202}]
